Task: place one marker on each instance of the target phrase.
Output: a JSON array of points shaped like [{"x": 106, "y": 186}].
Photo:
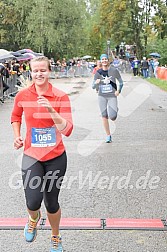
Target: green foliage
[
  {"x": 76, "y": 27},
  {"x": 131, "y": 21},
  {"x": 159, "y": 46},
  {"x": 56, "y": 28}
]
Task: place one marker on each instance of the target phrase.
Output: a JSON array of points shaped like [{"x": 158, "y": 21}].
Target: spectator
[
  {"x": 156, "y": 64},
  {"x": 144, "y": 67},
  {"x": 117, "y": 63},
  {"x": 98, "y": 66},
  {"x": 135, "y": 66},
  {"x": 4, "y": 72},
  {"x": 16, "y": 67},
  {"x": 151, "y": 68}
]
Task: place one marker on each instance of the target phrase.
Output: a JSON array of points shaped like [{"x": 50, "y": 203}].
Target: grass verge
[{"x": 159, "y": 83}]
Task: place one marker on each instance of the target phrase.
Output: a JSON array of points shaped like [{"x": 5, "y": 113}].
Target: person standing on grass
[
  {"x": 156, "y": 64},
  {"x": 47, "y": 113}
]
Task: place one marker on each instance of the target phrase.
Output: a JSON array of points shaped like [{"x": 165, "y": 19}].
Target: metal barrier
[
  {"x": 26, "y": 74},
  {"x": 69, "y": 72},
  {"x": 16, "y": 82},
  {"x": 81, "y": 71},
  {"x": 52, "y": 73},
  {"x": 124, "y": 67},
  {"x": 11, "y": 82},
  {"x": 1, "y": 89}
]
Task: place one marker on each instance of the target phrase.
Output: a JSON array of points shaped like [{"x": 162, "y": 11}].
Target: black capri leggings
[{"x": 42, "y": 180}]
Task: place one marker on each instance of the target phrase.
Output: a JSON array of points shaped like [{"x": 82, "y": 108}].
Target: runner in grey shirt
[{"x": 105, "y": 81}]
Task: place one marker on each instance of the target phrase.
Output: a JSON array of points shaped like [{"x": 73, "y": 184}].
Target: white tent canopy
[
  {"x": 87, "y": 57},
  {"x": 4, "y": 52},
  {"x": 5, "y": 55}
]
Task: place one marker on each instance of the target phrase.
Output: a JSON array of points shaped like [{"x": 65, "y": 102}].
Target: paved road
[{"x": 125, "y": 179}]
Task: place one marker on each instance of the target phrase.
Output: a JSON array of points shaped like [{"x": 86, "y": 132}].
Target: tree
[
  {"x": 75, "y": 27},
  {"x": 58, "y": 27},
  {"x": 51, "y": 27},
  {"x": 160, "y": 18},
  {"x": 132, "y": 21},
  {"x": 14, "y": 16}
]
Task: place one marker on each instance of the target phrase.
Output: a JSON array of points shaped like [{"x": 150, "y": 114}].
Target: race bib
[
  {"x": 43, "y": 137},
  {"x": 136, "y": 65},
  {"x": 106, "y": 88}
]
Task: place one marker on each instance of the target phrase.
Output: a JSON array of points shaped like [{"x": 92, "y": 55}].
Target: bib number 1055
[{"x": 43, "y": 137}]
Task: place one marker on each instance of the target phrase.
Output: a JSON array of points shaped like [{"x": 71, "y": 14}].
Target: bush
[{"x": 159, "y": 46}]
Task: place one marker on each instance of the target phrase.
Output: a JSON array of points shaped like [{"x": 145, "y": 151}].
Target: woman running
[
  {"x": 108, "y": 90},
  {"x": 47, "y": 114}
]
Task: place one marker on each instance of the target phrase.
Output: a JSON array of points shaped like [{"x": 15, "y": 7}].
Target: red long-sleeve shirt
[{"x": 38, "y": 119}]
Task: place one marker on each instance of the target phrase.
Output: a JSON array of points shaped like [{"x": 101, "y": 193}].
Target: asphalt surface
[{"x": 124, "y": 179}]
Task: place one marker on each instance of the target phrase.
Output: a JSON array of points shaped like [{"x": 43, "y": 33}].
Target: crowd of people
[
  {"x": 9, "y": 68},
  {"x": 145, "y": 67},
  {"x": 23, "y": 67}
]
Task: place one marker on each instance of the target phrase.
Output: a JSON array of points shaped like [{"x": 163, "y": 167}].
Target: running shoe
[
  {"x": 56, "y": 244},
  {"x": 30, "y": 230},
  {"x": 108, "y": 139}
]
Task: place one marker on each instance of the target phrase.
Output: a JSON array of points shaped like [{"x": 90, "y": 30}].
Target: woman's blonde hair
[{"x": 39, "y": 59}]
